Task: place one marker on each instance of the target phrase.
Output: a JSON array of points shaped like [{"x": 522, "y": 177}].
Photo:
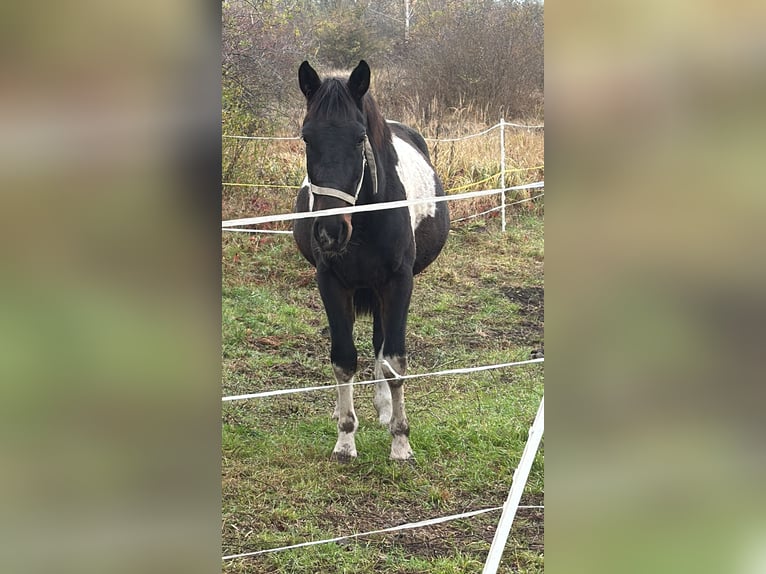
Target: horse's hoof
[
  {"x": 384, "y": 419},
  {"x": 409, "y": 460},
  {"x": 342, "y": 457},
  {"x": 402, "y": 453}
]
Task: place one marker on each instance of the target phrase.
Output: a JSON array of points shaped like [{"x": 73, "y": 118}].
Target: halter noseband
[{"x": 368, "y": 158}]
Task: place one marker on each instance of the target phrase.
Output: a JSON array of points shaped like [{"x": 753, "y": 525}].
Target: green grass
[{"x": 479, "y": 303}]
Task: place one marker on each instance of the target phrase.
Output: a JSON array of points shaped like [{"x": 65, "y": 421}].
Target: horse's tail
[{"x": 365, "y": 301}]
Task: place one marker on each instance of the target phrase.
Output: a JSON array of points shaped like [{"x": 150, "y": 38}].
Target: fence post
[
  {"x": 502, "y": 172},
  {"x": 518, "y": 482}
]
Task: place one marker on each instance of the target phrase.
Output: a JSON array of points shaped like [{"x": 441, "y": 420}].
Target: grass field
[{"x": 480, "y": 303}]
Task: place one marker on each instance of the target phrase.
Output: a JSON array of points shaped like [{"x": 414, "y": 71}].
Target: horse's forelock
[{"x": 333, "y": 100}]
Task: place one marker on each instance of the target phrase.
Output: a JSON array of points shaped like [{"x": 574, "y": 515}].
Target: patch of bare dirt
[
  {"x": 440, "y": 540},
  {"x": 531, "y": 302}
]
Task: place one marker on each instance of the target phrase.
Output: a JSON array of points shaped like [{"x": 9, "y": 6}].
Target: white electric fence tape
[
  {"x": 497, "y": 208},
  {"x": 261, "y": 138},
  {"x": 461, "y": 371},
  {"x": 243, "y": 230},
  {"x": 408, "y": 526},
  {"x": 276, "y": 138},
  {"x": 518, "y": 483},
  {"x": 461, "y": 138},
  {"x": 371, "y": 207}
]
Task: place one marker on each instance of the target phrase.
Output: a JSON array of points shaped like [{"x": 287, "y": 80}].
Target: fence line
[
  {"x": 491, "y": 177},
  {"x": 261, "y": 137},
  {"x": 461, "y": 138},
  {"x": 485, "y": 212},
  {"x": 538, "y": 127},
  {"x": 407, "y": 526},
  {"x": 498, "y": 208},
  {"x": 464, "y": 186},
  {"x": 502, "y": 174},
  {"x": 243, "y": 230},
  {"x": 372, "y": 207},
  {"x": 518, "y": 482},
  {"x": 233, "y": 184},
  {"x": 288, "y": 232},
  {"x": 460, "y": 371},
  {"x": 525, "y": 199}
]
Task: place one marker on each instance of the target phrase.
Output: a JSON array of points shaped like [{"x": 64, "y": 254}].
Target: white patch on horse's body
[{"x": 417, "y": 177}]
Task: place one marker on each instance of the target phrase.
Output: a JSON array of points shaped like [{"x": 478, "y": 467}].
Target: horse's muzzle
[{"x": 332, "y": 234}]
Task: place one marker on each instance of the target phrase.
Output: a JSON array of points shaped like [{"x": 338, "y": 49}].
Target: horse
[{"x": 365, "y": 261}]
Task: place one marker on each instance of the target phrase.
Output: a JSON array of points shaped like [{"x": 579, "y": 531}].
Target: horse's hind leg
[
  {"x": 394, "y": 362},
  {"x": 399, "y": 425},
  {"x": 382, "y": 399}
]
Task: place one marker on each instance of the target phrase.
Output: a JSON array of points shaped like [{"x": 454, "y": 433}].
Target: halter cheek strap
[
  {"x": 368, "y": 158},
  {"x": 368, "y": 153}
]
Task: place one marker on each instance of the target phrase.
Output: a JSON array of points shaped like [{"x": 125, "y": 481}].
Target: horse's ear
[
  {"x": 308, "y": 80},
  {"x": 359, "y": 80}
]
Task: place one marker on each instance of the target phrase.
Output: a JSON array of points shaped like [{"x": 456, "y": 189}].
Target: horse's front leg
[
  {"x": 338, "y": 303},
  {"x": 382, "y": 399},
  {"x": 393, "y": 359}
]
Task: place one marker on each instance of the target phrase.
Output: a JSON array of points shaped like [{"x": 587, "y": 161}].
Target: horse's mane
[
  {"x": 377, "y": 128},
  {"x": 333, "y": 100}
]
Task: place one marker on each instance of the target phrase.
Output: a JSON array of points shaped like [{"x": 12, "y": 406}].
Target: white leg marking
[
  {"x": 345, "y": 448},
  {"x": 399, "y": 426},
  {"x": 400, "y": 448},
  {"x": 382, "y": 400}
]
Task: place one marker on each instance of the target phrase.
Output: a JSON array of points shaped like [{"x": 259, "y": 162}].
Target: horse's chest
[
  {"x": 353, "y": 276},
  {"x": 369, "y": 265},
  {"x": 417, "y": 178}
]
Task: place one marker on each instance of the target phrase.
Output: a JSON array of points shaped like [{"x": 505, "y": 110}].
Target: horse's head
[{"x": 337, "y": 149}]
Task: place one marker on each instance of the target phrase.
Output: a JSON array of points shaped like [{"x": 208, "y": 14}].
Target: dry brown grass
[{"x": 466, "y": 165}]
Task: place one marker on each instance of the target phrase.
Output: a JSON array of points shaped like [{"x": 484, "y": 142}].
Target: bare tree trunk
[{"x": 406, "y": 21}]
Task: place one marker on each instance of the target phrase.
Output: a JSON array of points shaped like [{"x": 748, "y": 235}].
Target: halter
[{"x": 367, "y": 158}]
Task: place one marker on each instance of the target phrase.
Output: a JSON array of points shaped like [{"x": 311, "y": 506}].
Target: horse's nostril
[
  {"x": 332, "y": 235},
  {"x": 325, "y": 238},
  {"x": 346, "y": 230}
]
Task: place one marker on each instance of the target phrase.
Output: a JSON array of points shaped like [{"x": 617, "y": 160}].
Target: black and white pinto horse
[{"x": 365, "y": 262}]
